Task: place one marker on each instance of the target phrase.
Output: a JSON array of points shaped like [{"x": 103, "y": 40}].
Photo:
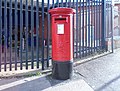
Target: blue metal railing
[{"x": 25, "y": 32}]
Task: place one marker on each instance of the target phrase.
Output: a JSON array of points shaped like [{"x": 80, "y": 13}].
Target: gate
[{"x": 25, "y": 35}]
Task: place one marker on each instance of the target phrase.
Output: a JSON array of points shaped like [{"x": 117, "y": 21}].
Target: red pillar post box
[{"x": 62, "y": 42}]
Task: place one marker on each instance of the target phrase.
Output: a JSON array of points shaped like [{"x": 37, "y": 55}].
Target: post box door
[{"x": 62, "y": 40}]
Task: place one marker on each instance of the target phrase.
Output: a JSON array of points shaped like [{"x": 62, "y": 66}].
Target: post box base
[{"x": 62, "y": 70}]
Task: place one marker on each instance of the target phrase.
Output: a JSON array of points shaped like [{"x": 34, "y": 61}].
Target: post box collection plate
[{"x": 60, "y": 28}]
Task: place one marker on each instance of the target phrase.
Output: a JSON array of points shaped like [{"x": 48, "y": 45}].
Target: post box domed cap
[{"x": 62, "y": 11}]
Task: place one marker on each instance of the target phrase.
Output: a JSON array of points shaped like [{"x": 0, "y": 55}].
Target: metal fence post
[
  {"x": 43, "y": 35},
  {"x": 103, "y": 23},
  {"x": 112, "y": 23},
  {"x": 0, "y": 33},
  {"x": 37, "y": 32},
  {"x": 32, "y": 32},
  {"x": 48, "y": 33},
  {"x": 10, "y": 21},
  {"x": 21, "y": 35},
  {"x": 26, "y": 25},
  {"x": 16, "y": 33},
  {"x": 5, "y": 35}
]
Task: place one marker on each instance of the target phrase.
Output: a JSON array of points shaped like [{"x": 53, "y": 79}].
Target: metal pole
[
  {"x": 48, "y": 34},
  {"x": 112, "y": 23},
  {"x": 0, "y": 33},
  {"x": 37, "y": 32},
  {"x": 21, "y": 34},
  {"x": 16, "y": 34},
  {"x": 43, "y": 35},
  {"x": 103, "y": 23},
  {"x": 5, "y": 34},
  {"x": 32, "y": 31},
  {"x": 10, "y": 24},
  {"x": 26, "y": 32}
]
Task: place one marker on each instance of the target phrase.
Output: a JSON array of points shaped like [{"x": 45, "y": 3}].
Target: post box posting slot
[{"x": 61, "y": 19}]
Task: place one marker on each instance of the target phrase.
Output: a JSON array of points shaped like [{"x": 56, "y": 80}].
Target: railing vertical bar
[
  {"x": 21, "y": 34},
  {"x": 53, "y": 3},
  {"x": 65, "y": 3},
  {"x": 99, "y": 25},
  {"x": 26, "y": 32},
  {"x": 109, "y": 6},
  {"x": 16, "y": 34},
  {"x": 37, "y": 32},
  {"x": 92, "y": 34},
  {"x": 83, "y": 32},
  {"x": 57, "y": 3},
  {"x": 80, "y": 29},
  {"x": 73, "y": 36},
  {"x": 0, "y": 33},
  {"x": 112, "y": 20},
  {"x": 76, "y": 35},
  {"x": 106, "y": 24},
  {"x": 94, "y": 26},
  {"x": 70, "y": 3},
  {"x": 74, "y": 3},
  {"x": 32, "y": 40},
  {"x": 61, "y": 3},
  {"x": 91, "y": 19},
  {"x": 109, "y": 17},
  {"x": 101, "y": 28},
  {"x": 86, "y": 29},
  {"x": 89, "y": 30},
  {"x": 110, "y": 23},
  {"x": 103, "y": 23},
  {"x": 5, "y": 34},
  {"x": 43, "y": 35},
  {"x": 10, "y": 23},
  {"x": 48, "y": 33}
]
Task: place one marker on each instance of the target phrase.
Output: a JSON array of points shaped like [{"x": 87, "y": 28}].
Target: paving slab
[{"x": 78, "y": 85}]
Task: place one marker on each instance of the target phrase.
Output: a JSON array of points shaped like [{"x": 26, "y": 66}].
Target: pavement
[
  {"x": 101, "y": 74},
  {"x": 44, "y": 83}
]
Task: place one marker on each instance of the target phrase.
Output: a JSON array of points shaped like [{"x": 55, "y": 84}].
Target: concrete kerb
[{"x": 24, "y": 73}]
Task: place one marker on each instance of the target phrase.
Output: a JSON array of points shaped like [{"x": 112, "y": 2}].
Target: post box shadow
[
  {"x": 53, "y": 81},
  {"x": 56, "y": 82}
]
